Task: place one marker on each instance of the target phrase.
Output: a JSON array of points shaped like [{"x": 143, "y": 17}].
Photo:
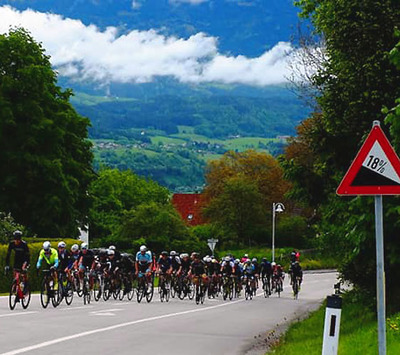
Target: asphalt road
[{"x": 177, "y": 327}]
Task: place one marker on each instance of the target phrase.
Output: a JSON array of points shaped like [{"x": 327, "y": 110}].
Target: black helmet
[{"x": 17, "y": 234}]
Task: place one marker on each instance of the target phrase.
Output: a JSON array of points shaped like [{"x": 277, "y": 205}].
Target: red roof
[{"x": 189, "y": 207}]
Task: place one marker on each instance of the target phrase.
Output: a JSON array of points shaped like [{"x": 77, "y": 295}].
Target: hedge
[{"x": 35, "y": 245}]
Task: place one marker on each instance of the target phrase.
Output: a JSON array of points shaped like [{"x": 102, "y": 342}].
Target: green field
[
  {"x": 91, "y": 100},
  {"x": 166, "y": 140},
  {"x": 358, "y": 332}
]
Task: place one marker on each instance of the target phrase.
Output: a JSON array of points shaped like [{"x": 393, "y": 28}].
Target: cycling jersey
[
  {"x": 50, "y": 259},
  {"x": 73, "y": 257},
  {"x": 176, "y": 262},
  {"x": 296, "y": 270},
  {"x": 21, "y": 254},
  {"x": 198, "y": 268},
  {"x": 164, "y": 264},
  {"x": 64, "y": 258},
  {"x": 87, "y": 258},
  {"x": 227, "y": 267},
  {"x": 248, "y": 269},
  {"x": 144, "y": 258},
  {"x": 185, "y": 266},
  {"x": 265, "y": 268}
]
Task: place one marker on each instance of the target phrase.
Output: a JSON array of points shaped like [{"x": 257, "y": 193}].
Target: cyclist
[
  {"x": 185, "y": 264},
  {"x": 254, "y": 261},
  {"x": 164, "y": 265},
  {"x": 198, "y": 269},
  {"x": 73, "y": 261},
  {"x": 21, "y": 257},
  {"x": 50, "y": 256},
  {"x": 277, "y": 273},
  {"x": 227, "y": 267},
  {"x": 175, "y": 261},
  {"x": 237, "y": 273},
  {"x": 294, "y": 256},
  {"x": 296, "y": 271},
  {"x": 244, "y": 258},
  {"x": 86, "y": 260},
  {"x": 248, "y": 274},
  {"x": 144, "y": 262},
  {"x": 265, "y": 272},
  {"x": 63, "y": 257},
  {"x": 116, "y": 252}
]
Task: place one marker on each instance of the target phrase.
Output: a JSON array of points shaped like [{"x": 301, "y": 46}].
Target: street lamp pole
[{"x": 276, "y": 207}]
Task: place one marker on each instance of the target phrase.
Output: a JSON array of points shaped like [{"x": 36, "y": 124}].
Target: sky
[{"x": 88, "y": 53}]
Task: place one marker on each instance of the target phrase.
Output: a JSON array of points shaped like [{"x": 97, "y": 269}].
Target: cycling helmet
[
  {"x": 110, "y": 252},
  {"x": 17, "y": 234},
  {"x": 246, "y": 255},
  {"x": 75, "y": 247},
  {"x": 173, "y": 253},
  {"x": 248, "y": 262},
  {"x": 254, "y": 260},
  {"x": 264, "y": 259},
  {"x": 164, "y": 253},
  {"x": 195, "y": 255},
  {"x": 112, "y": 247},
  {"x": 273, "y": 263},
  {"x": 102, "y": 252},
  {"x": 62, "y": 245},
  {"x": 46, "y": 245},
  {"x": 143, "y": 248},
  {"x": 184, "y": 255},
  {"x": 214, "y": 261},
  {"x": 227, "y": 258},
  {"x": 84, "y": 246},
  {"x": 237, "y": 261},
  {"x": 208, "y": 260}
]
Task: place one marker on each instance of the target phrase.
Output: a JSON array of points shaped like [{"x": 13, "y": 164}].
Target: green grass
[
  {"x": 247, "y": 142},
  {"x": 358, "y": 332},
  {"x": 91, "y": 100}
]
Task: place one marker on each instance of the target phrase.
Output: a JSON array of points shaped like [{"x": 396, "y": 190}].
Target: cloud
[{"x": 88, "y": 53}]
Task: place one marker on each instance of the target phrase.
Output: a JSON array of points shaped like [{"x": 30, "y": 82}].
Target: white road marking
[
  {"x": 72, "y": 308},
  {"x": 17, "y": 314},
  {"x": 117, "y": 326}
]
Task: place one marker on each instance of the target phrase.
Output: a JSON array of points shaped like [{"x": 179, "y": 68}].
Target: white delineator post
[{"x": 332, "y": 325}]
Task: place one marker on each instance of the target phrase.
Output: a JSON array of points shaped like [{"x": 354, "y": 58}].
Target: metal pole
[
  {"x": 273, "y": 231},
  {"x": 380, "y": 275}
]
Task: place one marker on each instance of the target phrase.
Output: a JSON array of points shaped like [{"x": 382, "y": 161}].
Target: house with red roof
[{"x": 189, "y": 207}]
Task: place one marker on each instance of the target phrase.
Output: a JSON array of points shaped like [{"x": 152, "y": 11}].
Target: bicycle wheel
[
  {"x": 96, "y": 288},
  {"x": 130, "y": 292},
  {"x": 295, "y": 289},
  {"x": 77, "y": 286},
  {"x": 197, "y": 298},
  {"x": 68, "y": 293},
  {"x": 44, "y": 293},
  {"x": 149, "y": 292},
  {"x": 140, "y": 292},
  {"x": 279, "y": 288},
  {"x": 173, "y": 288},
  {"x": 27, "y": 296},
  {"x": 230, "y": 291},
  {"x": 13, "y": 298},
  {"x": 190, "y": 290},
  {"x": 167, "y": 290},
  {"x": 161, "y": 287},
  {"x": 86, "y": 291},
  {"x": 56, "y": 296}
]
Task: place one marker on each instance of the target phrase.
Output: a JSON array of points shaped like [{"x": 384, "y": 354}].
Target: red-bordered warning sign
[{"x": 375, "y": 170}]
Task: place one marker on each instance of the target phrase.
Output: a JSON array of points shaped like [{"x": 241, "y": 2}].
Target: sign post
[
  {"x": 375, "y": 171},
  {"x": 212, "y": 243}
]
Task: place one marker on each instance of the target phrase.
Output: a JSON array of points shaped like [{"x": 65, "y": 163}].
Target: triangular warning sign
[{"x": 375, "y": 170}]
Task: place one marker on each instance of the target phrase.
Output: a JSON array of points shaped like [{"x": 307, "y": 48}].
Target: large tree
[
  {"x": 358, "y": 79},
  {"x": 45, "y": 159}
]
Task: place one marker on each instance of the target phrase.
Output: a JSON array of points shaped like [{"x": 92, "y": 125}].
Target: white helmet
[
  {"x": 62, "y": 245},
  {"x": 46, "y": 245},
  {"x": 112, "y": 247},
  {"x": 208, "y": 260},
  {"x": 143, "y": 248},
  {"x": 173, "y": 253},
  {"x": 227, "y": 258},
  {"x": 110, "y": 252},
  {"x": 75, "y": 247},
  {"x": 84, "y": 246},
  {"x": 273, "y": 263}
]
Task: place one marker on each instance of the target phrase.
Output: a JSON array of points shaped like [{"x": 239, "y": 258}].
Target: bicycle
[
  {"x": 227, "y": 287},
  {"x": 296, "y": 287},
  {"x": 19, "y": 290},
  {"x": 277, "y": 284},
  {"x": 145, "y": 289},
  {"x": 164, "y": 288},
  {"x": 47, "y": 291},
  {"x": 266, "y": 286},
  {"x": 199, "y": 291},
  {"x": 248, "y": 290},
  {"x": 66, "y": 289},
  {"x": 98, "y": 285},
  {"x": 86, "y": 290}
]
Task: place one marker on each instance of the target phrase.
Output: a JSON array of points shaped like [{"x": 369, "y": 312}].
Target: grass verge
[{"x": 358, "y": 332}]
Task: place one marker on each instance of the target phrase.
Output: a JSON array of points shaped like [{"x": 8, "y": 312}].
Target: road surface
[{"x": 177, "y": 327}]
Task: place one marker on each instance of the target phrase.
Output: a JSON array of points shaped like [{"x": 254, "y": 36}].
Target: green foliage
[
  {"x": 45, "y": 155},
  {"x": 8, "y": 226},
  {"x": 358, "y": 79}
]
